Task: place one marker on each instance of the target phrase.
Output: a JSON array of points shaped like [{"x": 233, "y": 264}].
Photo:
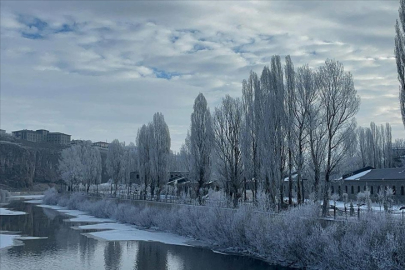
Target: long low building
[{"x": 374, "y": 180}]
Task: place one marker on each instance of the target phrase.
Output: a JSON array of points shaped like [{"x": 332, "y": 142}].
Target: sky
[{"x": 99, "y": 70}]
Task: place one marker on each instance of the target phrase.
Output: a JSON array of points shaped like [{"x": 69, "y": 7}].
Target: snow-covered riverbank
[
  {"x": 297, "y": 237},
  {"x": 109, "y": 230}
]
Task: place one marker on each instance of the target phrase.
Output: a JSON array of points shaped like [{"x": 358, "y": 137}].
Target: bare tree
[
  {"x": 400, "y": 55},
  {"x": 227, "y": 125},
  {"x": 201, "y": 141},
  {"x": 340, "y": 103}
]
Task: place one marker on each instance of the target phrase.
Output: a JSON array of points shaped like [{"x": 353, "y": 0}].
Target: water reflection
[{"x": 66, "y": 248}]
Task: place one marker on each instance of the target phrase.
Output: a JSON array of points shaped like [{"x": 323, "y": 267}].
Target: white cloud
[{"x": 101, "y": 69}]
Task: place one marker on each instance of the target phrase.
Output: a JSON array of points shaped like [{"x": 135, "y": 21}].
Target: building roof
[
  {"x": 58, "y": 133},
  {"x": 385, "y": 174},
  {"x": 378, "y": 174}
]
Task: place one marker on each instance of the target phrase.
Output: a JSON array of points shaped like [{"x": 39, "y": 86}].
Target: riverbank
[{"x": 295, "y": 238}]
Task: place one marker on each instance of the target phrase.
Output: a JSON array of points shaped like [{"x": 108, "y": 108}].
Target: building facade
[
  {"x": 42, "y": 135},
  {"x": 101, "y": 144},
  {"x": 372, "y": 180}
]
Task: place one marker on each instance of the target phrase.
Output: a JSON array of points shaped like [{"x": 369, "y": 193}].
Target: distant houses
[
  {"x": 42, "y": 135},
  {"x": 101, "y": 144}
]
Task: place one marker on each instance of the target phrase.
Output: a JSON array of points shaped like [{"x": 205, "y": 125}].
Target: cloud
[{"x": 99, "y": 70}]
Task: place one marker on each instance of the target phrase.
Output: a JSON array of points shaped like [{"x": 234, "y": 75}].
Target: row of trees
[
  {"x": 81, "y": 164},
  {"x": 375, "y": 146},
  {"x": 121, "y": 161},
  {"x": 153, "y": 144},
  {"x": 287, "y": 121}
]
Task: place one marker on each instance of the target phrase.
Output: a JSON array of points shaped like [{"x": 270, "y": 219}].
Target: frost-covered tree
[
  {"x": 185, "y": 154},
  {"x": 340, "y": 103},
  {"x": 81, "y": 164},
  {"x": 159, "y": 153},
  {"x": 290, "y": 104},
  {"x": 317, "y": 132},
  {"x": 304, "y": 96},
  {"x": 250, "y": 127},
  {"x": 131, "y": 163},
  {"x": 115, "y": 163},
  {"x": 143, "y": 142},
  {"x": 91, "y": 165},
  {"x": 400, "y": 55},
  {"x": 375, "y": 145},
  {"x": 70, "y": 166},
  {"x": 201, "y": 142},
  {"x": 272, "y": 135},
  {"x": 227, "y": 121}
]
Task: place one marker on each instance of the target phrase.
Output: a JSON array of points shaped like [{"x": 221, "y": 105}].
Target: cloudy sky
[{"x": 99, "y": 70}]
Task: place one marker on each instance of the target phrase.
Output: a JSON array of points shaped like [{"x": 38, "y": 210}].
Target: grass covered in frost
[{"x": 296, "y": 238}]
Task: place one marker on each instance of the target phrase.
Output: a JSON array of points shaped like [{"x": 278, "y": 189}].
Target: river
[{"x": 62, "y": 247}]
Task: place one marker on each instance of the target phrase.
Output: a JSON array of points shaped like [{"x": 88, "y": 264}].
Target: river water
[{"x": 65, "y": 248}]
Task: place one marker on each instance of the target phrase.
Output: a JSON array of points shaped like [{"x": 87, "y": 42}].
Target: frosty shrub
[
  {"x": 296, "y": 237},
  {"x": 51, "y": 197}
]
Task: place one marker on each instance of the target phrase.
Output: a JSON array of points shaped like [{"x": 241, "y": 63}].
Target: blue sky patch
[{"x": 164, "y": 74}]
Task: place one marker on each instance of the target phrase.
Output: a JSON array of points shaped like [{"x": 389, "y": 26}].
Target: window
[
  {"x": 358, "y": 189},
  {"x": 402, "y": 191},
  {"x": 347, "y": 191},
  {"x": 371, "y": 190},
  {"x": 352, "y": 189},
  {"x": 394, "y": 191},
  {"x": 333, "y": 189},
  {"x": 340, "y": 191}
]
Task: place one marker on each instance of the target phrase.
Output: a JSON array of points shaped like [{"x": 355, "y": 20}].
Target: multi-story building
[
  {"x": 58, "y": 138},
  {"x": 2, "y": 131},
  {"x": 42, "y": 135}
]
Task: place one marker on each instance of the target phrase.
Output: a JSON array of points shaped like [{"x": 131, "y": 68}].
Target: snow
[
  {"x": 7, "y": 212},
  {"x": 7, "y": 240},
  {"x": 28, "y": 197},
  {"x": 113, "y": 231},
  {"x": 356, "y": 176},
  {"x": 87, "y": 218},
  {"x": 124, "y": 232},
  {"x": 54, "y": 207},
  {"x": 33, "y": 201},
  {"x": 374, "y": 207},
  {"x": 30, "y": 238},
  {"x": 10, "y": 240},
  {"x": 78, "y": 216}
]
